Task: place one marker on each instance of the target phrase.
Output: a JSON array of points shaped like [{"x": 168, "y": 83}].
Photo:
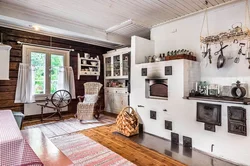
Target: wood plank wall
[{"x": 11, "y": 36}]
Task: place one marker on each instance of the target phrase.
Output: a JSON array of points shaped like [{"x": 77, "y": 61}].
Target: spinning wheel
[{"x": 59, "y": 100}]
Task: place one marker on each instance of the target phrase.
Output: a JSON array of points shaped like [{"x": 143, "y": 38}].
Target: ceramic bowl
[
  {"x": 86, "y": 55},
  {"x": 84, "y": 62},
  {"x": 93, "y": 63}
]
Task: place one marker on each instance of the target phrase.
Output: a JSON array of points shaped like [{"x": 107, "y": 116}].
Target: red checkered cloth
[{"x": 14, "y": 150}]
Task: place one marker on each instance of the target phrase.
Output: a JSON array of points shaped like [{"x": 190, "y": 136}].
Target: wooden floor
[
  {"x": 135, "y": 148},
  {"x": 130, "y": 150},
  {"x": 36, "y": 121}
]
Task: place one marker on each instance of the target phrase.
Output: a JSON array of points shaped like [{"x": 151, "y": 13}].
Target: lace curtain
[
  {"x": 25, "y": 84},
  {"x": 66, "y": 80}
]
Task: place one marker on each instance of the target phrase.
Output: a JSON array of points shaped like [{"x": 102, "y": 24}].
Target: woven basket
[{"x": 127, "y": 123}]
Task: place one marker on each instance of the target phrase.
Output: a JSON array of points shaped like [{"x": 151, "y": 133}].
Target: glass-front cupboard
[
  {"x": 116, "y": 79},
  {"x": 116, "y": 66}
]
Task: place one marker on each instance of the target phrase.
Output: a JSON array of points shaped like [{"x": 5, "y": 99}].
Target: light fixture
[{"x": 119, "y": 26}]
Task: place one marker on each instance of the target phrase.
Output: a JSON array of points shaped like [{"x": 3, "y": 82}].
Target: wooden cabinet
[
  {"x": 120, "y": 101},
  {"x": 116, "y": 64},
  {"x": 116, "y": 74},
  {"x": 108, "y": 101},
  {"x": 115, "y": 100}
]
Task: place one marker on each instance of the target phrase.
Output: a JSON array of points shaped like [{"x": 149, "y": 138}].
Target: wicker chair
[{"x": 88, "y": 111}]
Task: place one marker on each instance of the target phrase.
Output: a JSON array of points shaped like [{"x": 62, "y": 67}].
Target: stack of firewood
[{"x": 128, "y": 122}]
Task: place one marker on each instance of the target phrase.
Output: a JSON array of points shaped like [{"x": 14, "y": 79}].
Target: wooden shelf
[
  {"x": 88, "y": 65},
  {"x": 95, "y": 73},
  {"x": 97, "y": 60},
  {"x": 116, "y": 77},
  {"x": 245, "y": 101},
  {"x": 184, "y": 56}
]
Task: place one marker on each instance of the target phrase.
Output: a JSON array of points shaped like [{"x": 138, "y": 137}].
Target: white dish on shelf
[
  {"x": 84, "y": 62},
  {"x": 86, "y": 55},
  {"x": 93, "y": 63}
]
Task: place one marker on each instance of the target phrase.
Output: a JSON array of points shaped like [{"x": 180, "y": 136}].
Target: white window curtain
[
  {"x": 25, "y": 84},
  {"x": 66, "y": 80}
]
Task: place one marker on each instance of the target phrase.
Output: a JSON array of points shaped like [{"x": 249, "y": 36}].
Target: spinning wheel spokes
[{"x": 61, "y": 98}]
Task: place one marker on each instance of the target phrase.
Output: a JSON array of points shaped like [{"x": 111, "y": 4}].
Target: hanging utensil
[
  {"x": 209, "y": 56},
  {"x": 221, "y": 59},
  {"x": 240, "y": 50},
  {"x": 204, "y": 54},
  {"x": 237, "y": 58},
  {"x": 248, "y": 54},
  {"x": 220, "y": 51}
]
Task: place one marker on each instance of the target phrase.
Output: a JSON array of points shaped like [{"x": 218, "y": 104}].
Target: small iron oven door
[{"x": 157, "y": 88}]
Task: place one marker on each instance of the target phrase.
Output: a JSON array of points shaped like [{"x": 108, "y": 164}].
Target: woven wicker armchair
[{"x": 88, "y": 111}]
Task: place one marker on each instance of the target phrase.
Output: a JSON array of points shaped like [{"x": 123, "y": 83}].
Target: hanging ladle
[{"x": 221, "y": 59}]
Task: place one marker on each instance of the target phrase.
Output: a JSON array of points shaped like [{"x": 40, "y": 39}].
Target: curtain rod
[{"x": 57, "y": 48}]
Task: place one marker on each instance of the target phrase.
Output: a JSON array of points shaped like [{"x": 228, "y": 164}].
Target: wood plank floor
[
  {"x": 36, "y": 121},
  {"x": 137, "y": 149},
  {"x": 130, "y": 150}
]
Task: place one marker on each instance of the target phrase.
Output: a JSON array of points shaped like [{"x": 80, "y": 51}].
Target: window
[{"x": 46, "y": 62}]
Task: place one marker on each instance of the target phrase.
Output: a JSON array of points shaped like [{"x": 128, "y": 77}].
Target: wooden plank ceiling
[{"x": 123, "y": 17}]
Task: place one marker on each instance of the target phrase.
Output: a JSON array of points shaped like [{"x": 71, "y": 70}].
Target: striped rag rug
[
  {"x": 82, "y": 150},
  {"x": 53, "y": 129}
]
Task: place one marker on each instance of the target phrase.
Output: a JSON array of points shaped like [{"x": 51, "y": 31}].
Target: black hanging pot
[{"x": 238, "y": 91}]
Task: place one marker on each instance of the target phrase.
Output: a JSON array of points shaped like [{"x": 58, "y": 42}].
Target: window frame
[{"x": 26, "y": 58}]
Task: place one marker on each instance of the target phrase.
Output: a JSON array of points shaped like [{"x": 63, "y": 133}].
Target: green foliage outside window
[
  {"x": 38, "y": 60},
  {"x": 56, "y": 62}
]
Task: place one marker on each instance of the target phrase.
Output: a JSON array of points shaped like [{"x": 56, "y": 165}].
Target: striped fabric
[
  {"x": 82, "y": 150},
  {"x": 53, "y": 129}
]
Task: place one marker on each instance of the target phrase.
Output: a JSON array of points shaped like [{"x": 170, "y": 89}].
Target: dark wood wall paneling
[{"x": 11, "y": 36}]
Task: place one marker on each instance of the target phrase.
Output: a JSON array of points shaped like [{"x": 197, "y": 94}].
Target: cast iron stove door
[{"x": 159, "y": 90}]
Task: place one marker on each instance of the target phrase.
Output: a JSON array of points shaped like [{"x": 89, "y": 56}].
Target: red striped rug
[{"x": 82, "y": 150}]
